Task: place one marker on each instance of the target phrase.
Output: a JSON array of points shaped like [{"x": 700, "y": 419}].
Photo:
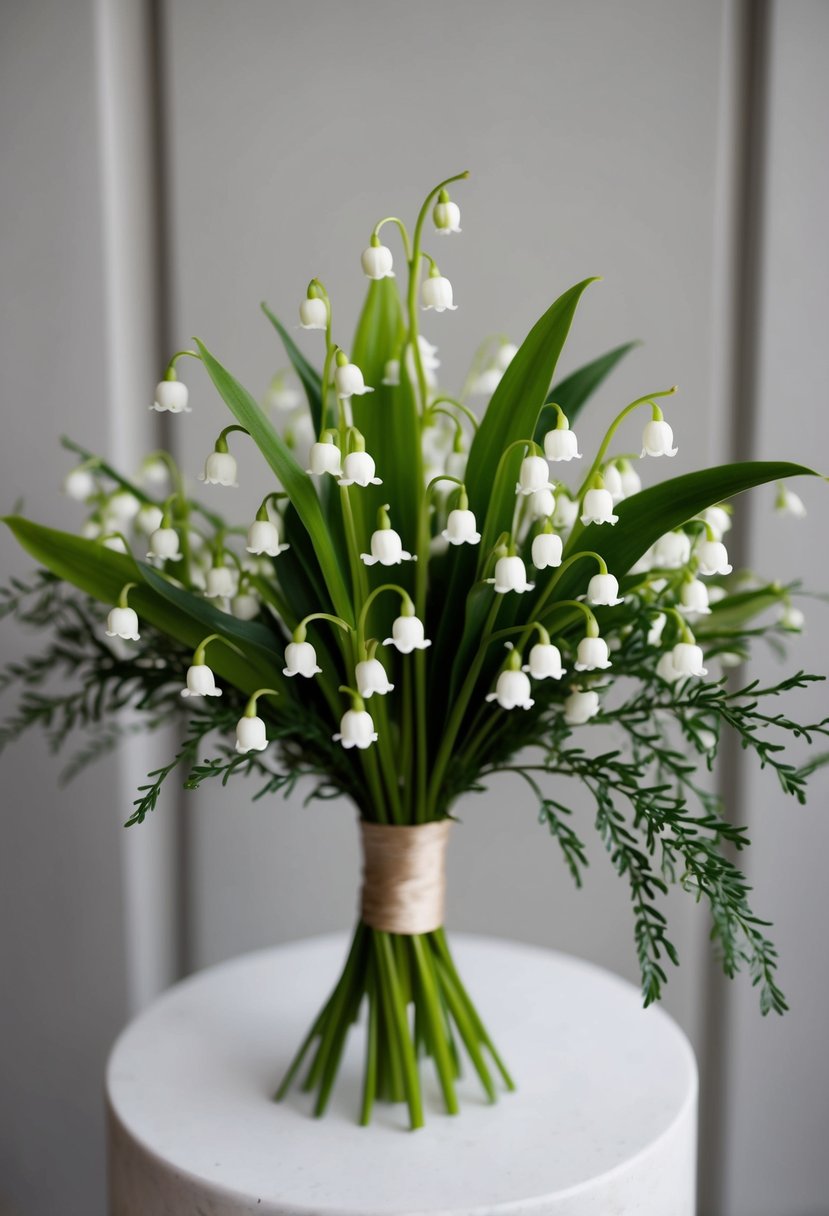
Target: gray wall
[{"x": 603, "y": 138}]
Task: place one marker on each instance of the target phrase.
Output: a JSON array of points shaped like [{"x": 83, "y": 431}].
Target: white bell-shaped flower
[
  {"x": 603, "y": 589},
  {"x": 581, "y": 706},
  {"x": 712, "y": 557},
  {"x": 386, "y": 548},
  {"x": 251, "y": 735},
  {"x": 545, "y": 662},
  {"x": 377, "y": 262},
  {"x": 358, "y": 470},
  {"x": 512, "y": 691},
  {"x": 715, "y": 594},
  {"x": 461, "y": 528},
  {"x": 282, "y": 397},
  {"x": 122, "y": 507},
  {"x": 219, "y": 470},
  {"x": 325, "y": 458},
  {"x": 149, "y": 518},
  {"x": 693, "y": 598},
  {"x": 631, "y": 481},
  {"x": 789, "y": 503},
  {"x": 313, "y": 314},
  {"x": 597, "y": 508},
  {"x": 542, "y": 504},
  {"x": 123, "y": 623},
  {"x": 436, "y": 292},
  {"x": 356, "y": 729},
  {"x": 79, "y": 484},
  {"x": 613, "y": 482},
  {"x": 533, "y": 475},
  {"x": 658, "y": 439},
  {"x": 504, "y": 355},
  {"x": 687, "y": 659},
  {"x": 91, "y": 530},
  {"x": 546, "y": 550},
  {"x": 717, "y": 519},
  {"x": 407, "y": 635},
  {"x": 657, "y": 626},
  {"x": 164, "y": 545},
  {"x": 791, "y": 618},
  {"x": 510, "y": 575},
  {"x": 672, "y": 551},
  {"x": 348, "y": 381},
  {"x": 171, "y": 397},
  {"x": 446, "y": 217},
  {"x": 116, "y": 543},
  {"x": 200, "y": 682},
  {"x": 561, "y": 444},
  {"x": 665, "y": 669},
  {"x": 566, "y": 512},
  {"x": 486, "y": 382},
  {"x": 220, "y": 583},
  {"x": 391, "y": 373},
  {"x": 592, "y": 655},
  {"x": 301, "y": 660},
  {"x": 263, "y": 537},
  {"x": 245, "y": 606},
  {"x": 370, "y": 677}
]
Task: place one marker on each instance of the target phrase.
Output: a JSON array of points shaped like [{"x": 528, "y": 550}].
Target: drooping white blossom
[
  {"x": 377, "y": 262},
  {"x": 561, "y": 444},
  {"x": 792, "y": 618},
  {"x": 581, "y": 706},
  {"x": 546, "y": 550},
  {"x": 172, "y": 397},
  {"x": 603, "y": 589},
  {"x": 717, "y": 519},
  {"x": 122, "y": 507},
  {"x": 665, "y": 669},
  {"x": 566, "y": 512},
  {"x": 672, "y": 551},
  {"x": 545, "y": 662},
  {"x": 658, "y": 439},
  {"x": 301, "y": 660},
  {"x": 533, "y": 475},
  {"x": 712, "y": 557},
  {"x": 251, "y": 735},
  {"x": 356, "y": 729},
  {"x": 313, "y": 314},
  {"x": 164, "y": 545},
  {"x": 512, "y": 691},
  {"x": 149, "y": 518},
  {"x": 789, "y": 503},
  {"x": 407, "y": 635},
  {"x": 263, "y": 537},
  {"x": 219, "y": 470},
  {"x": 446, "y": 216},
  {"x": 461, "y": 528},
  {"x": 693, "y": 598},
  {"x": 245, "y": 606},
  {"x": 597, "y": 507},
  {"x": 348, "y": 381},
  {"x": 542, "y": 504},
  {"x": 436, "y": 293},
  {"x": 79, "y": 484},
  {"x": 510, "y": 575},
  {"x": 370, "y": 677},
  {"x": 687, "y": 659},
  {"x": 325, "y": 457},
  {"x": 592, "y": 655},
  {"x": 221, "y": 583},
  {"x": 631, "y": 481},
  {"x": 386, "y": 548},
  {"x": 123, "y": 623},
  {"x": 358, "y": 470},
  {"x": 200, "y": 682},
  {"x": 613, "y": 482}
]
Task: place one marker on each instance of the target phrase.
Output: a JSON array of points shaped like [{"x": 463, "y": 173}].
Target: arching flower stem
[
  {"x": 300, "y": 631},
  {"x": 569, "y": 561},
  {"x": 443, "y": 400},
  {"x": 404, "y": 234}
]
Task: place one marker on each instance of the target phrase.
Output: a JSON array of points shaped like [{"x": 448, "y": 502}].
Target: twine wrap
[{"x": 404, "y": 876}]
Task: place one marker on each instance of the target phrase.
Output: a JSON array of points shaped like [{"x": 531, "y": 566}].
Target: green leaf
[
  {"x": 101, "y": 573},
  {"x": 295, "y": 481},
  {"x": 310, "y": 377},
  {"x": 576, "y": 389}
]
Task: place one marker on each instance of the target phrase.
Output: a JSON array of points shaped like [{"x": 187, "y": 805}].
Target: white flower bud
[
  {"x": 370, "y": 677},
  {"x": 348, "y": 380},
  {"x": 533, "y": 475},
  {"x": 436, "y": 292},
  {"x": 301, "y": 660},
  {"x": 592, "y": 655},
  {"x": 79, "y": 484},
  {"x": 407, "y": 635},
  {"x": 446, "y": 217},
  {"x": 504, "y": 355},
  {"x": 545, "y": 662},
  {"x": 200, "y": 682},
  {"x": 149, "y": 518},
  {"x": 485, "y": 384},
  {"x": 657, "y": 439},
  {"x": 245, "y": 607},
  {"x": 358, "y": 470},
  {"x": 325, "y": 458},
  {"x": 512, "y": 691},
  {"x": 123, "y": 507},
  {"x": 221, "y": 582},
  {"x": 693, "y": 597},
  {"x": 377, "y": 262},
  {"x": 613, "y": 482},
  {"x": 687, "y": 659},
  {"x": 597, "y": 508},
  {"x": 718, "y": 520},
  {"x": 566, "y": 512},
  {"x": 712, "y": 556},
  {"x": 250, "y": 735},
  {"x": 561, "y": 445},
  {"x": 672, "y": 551},
  {"x": 263, "y": 537},
  {"x": 386, "y": 548},
  {"x": 123, "y": 623},
  {"x": 356, "y": 729},
  {"x": 171, "y": 396},
  {"x": 164, "y": 544},
  {"x": 603, "y": 589},
  {"x": 313, "y": 314},
  {"x": 461, "y": 528},
  {"x": 789, "y": 503},
  {"x": 542, "y": 504},
  {"x": 665, "y": 669},
  {"x": 546, "y": 550},
  {"x": 219, "y": 470},
  {"x": 510, "y": 575},
  {"x": 580, "y": 707}
]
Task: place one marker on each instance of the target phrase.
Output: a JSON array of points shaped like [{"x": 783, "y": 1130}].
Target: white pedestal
[{"x": 603, "y": 1122}]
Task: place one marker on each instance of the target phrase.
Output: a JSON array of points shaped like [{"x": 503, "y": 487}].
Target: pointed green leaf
[
  {"x": 576, "y": 389},
  {"x": 308, "y": 374},
  {"x": 295, "y": 481}
]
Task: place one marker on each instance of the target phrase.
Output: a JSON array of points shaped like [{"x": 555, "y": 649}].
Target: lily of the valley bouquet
[{"x": 427, "y": 596}]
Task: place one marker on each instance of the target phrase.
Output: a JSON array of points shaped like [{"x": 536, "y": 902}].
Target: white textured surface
[{"x": 602, "y": 1124}]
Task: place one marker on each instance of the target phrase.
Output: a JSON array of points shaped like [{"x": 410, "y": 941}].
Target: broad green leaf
[
  {"x": 295, "y": 481},
  {"x": 575, "y": 390},
  {"x": 187, "y": 618},
  {"x": 310, "y": 377},
  {"x": 735, "y": 611}
]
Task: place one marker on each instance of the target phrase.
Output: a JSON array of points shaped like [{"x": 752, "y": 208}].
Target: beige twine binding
[{"x": 404, "y": 876}]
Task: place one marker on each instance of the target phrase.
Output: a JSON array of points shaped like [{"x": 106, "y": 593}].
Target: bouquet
[{"x": 429, "y": 594}]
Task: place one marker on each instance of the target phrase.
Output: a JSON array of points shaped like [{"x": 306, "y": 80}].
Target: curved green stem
[{"x": 393, "y": 219}]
